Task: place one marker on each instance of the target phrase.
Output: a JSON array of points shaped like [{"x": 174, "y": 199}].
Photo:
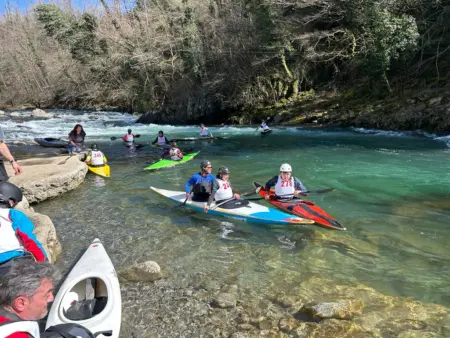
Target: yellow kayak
[{"x": 103, "y": 171}]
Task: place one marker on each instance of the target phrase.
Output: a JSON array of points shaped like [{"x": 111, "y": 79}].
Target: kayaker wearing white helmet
[{"x": 286, "y": 185}]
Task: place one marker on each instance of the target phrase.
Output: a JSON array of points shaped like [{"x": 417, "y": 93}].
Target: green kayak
[{"x": 170, "y": 163}]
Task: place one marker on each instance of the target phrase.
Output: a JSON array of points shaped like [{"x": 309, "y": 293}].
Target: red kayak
[{"x": 302, "y": 208}]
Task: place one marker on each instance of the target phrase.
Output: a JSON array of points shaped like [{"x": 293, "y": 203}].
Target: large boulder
[
  {"x": 43, "y": 229},
  {"x": 148, "y": 271},
  {"x": 41, "y": 113},
  {"x": 45, "y": 178}
]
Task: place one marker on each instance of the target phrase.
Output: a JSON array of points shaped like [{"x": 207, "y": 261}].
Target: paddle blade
[
  {"x": 138, "y": 135},
  {"x": 323, "y": 191},
  {"x": 113, "y": 138}
]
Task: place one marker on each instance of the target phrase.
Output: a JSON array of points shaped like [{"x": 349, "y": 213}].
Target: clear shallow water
[{"x": 392, "y": 194}]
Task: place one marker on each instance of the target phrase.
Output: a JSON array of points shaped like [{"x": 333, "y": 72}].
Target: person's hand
[
  {"x": 299, "y": 193},
  {"x": 206, "y": 208},
  {"x": 267, "y": 197},
  {"x": 187, "y": 195},
  {"x": 236, "y": 195},
  {"x": 17, "y": 169}
]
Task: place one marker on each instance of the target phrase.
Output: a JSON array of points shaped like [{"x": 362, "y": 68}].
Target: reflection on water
[{"x": 394, "y": 203}]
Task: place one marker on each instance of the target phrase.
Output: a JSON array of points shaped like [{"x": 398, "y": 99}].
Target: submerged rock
[
  {"x": 41, "y": 113},
  {"x": 148, "y": 271},
  {"x": 342, "y": 309},
  {"x": 224, "y": 300}
]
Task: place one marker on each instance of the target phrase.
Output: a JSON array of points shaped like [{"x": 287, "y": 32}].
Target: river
[{"x": 392, "y": 195}]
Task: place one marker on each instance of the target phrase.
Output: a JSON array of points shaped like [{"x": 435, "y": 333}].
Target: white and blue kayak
[
  {"x": 252, "y": 212},
  {"x": 90, "y": 295}
]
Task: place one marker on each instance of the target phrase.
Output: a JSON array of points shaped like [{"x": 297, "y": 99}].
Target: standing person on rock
[
  {"x": 17, "y": 240},
  {"x": 76, "y": 139},
  {"x": 4, "y": 151}
]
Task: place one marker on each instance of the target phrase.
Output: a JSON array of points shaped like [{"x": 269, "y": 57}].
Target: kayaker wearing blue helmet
[{"x": 200, "y": 184}]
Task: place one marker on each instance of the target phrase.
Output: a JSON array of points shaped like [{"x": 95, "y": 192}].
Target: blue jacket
[
  {"x": 199, "y": 179},
  {"x": 23, "y": 229}
]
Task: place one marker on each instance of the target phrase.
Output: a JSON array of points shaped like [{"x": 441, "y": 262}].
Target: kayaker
[
  {"x": 129, "y": 137},
  {"x": 264, "y": 125},
  {"x": 286, "y": 186},
  {"x": 222, "y": 191},
  {"x": 76, "y": 139},
  {"x": 161, "y": 140},
  {"x": 25, "y": 292},
  {"x": 17, "y": 239},
  {"x": 204, "y": 132},
  {"x": 95, "y": 157},
  {"x": 200, "y": 184},
  {"x": 4, "y": 151},
  {"x": 174, "y": 153}
]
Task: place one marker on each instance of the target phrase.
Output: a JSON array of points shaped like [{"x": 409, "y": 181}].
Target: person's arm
[
  {"x": 4, "y": 150},
  {"x": 215, "y": 187},
  {"x": 104, "y": 158},
  {"x": 180, "y": 154},
  {"x": 190, "y": 183},
  {"x": 299, "y": 185},
  {"x": 23, "y": 227},
  {"x": 270, "y": 183},
  {"x": 167, "y": 141},
  {"x": 124, "y": 138},
  {"x": 156, "y": 140},
  {"x": 88, "y": 158},
  {"x": 210, "y": 134},
  {"x": 165, "y": 153}
]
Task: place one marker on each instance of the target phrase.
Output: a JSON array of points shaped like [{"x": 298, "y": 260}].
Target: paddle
[
  {"x": 322, "y": 191},
  {"x": 252, "y": 192},
  {"x": 113, "y": 138},
  {"x": 63, "y": 162}
]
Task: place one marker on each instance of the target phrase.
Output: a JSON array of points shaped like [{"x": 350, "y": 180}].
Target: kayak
[
  {"x": 196, "y": 138},
  {"x": 253, "y": 213},
  {"x": 103, "y": 171},
  {"x": 50, "y": 142},
  {"x": 162, "y": 147},
  {"x": 267, "y": 131},
  {"x": 90, "y": 295},
  {"x": 163, "y": 163},
  {"x": 303, "y": 208}
]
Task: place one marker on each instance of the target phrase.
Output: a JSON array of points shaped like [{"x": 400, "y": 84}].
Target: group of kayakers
[{"x": 204, "y": 187}]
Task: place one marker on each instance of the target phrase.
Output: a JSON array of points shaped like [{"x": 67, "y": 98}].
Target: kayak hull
[
  {"x": 187, "y": 139},
  {"x": 133, "y": 145},
  {"x": 163, "y": 163},
  {"x": 265, "y": 132},
  {"x": 103, "y": 171},
  {"x": 93, "y": 270},
  {"x": 303, "y": 208},
  {"x": 50, "y": 142},
  {"x": 252, "y": 213}
]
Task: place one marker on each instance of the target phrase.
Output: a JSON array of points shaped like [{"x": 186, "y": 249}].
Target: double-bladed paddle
[
  {"x": 252, "y": 192},
  {"x": 113, "y": 138},
  {"x": 321, "y": 191},
  {"x": 268, "y": 119}
]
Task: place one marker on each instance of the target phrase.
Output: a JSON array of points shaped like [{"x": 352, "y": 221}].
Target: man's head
[
  {"x": 94, "y": 147},
  {"x": 160, "y": 133},
  {"x": 285, "y": 171},
  {"x": 206, "y": 167},
  {"x": 27, "y": 288},
  {"x": 202, "y": 125},
  {"x": 174, "y": 144},
  {"x": 129, "y": 131},
  {"x": 10, "y": 195}
]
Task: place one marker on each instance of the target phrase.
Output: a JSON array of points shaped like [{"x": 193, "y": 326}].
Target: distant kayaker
[
  {"x": 129, "y": 137},
  {"x": 17, "y": 240},
  {"x": 95, "y": 157},
  {"x": 161, "y": 140},
  {"x": 205, "y": 132},
  {"x": 264, "y": 125},
  {"x": 222, "y": 191},
  {"x": 200, "y": 184},
  {"x": 76, "y": 139},
  {"x": 286, "y": 186},
  {"x": 174, "y": 153},
  {"x": 25, "y": 292},
  {"x": 4, "y": 151}
]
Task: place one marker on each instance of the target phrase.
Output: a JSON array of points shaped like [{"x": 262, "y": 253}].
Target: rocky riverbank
[{"x": 45, "y": 178}]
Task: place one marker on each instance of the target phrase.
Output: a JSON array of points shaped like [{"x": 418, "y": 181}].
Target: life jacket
[
  {"x": 8, "y": 238},
  {"x": 224, "y": 192},
  {"x": 97, "y": 158},
  {"x": 203, "y": 187},
  {"x": 71, "y": 330},
  {"x": 129, "y": 138},
  {"x": 264, "y": 126},
  {"x": 161, "y": 140},
  {"x": 284, "y": 188},
  {"x": 174, "y": 152},
  {"x": 8, "y": 328},
  {"x": 204, "y": 132}
]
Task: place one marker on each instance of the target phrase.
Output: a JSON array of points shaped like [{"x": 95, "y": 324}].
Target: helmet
[
  {"x": 160, "y": 132},
  {"x": 174, "y": 144},
  {"x": 286, "y": 167},
  {"x": 204, "y": 164},
  {"x": 94, "y": 146},
  {"x": 223, "y": 171},
  {"x": 129, "y": 130},
  {"x": 9, "y": 192}
]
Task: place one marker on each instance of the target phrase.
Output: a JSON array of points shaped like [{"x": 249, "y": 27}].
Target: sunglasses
[
  {"x": 209, "y": 167},
  {"x": 285, "y": 172}
]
